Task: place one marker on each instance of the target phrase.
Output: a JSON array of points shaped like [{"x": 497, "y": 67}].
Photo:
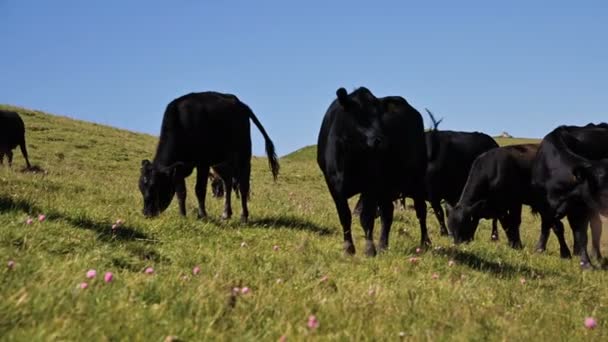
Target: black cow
[
  {"x": 202, "y": 130},
  {"x": 497, "y": 186},
  {"x": 373, "y": 146},
  {"x": 570, "y": 178},
  {"x": 12, "y": 134},
  {"x": 450, "y": 156}
]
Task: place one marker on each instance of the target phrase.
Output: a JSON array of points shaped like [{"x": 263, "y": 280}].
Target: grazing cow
[
  {"x": 373, "y": 146},
  {"x": 497, "y": 186},
  {"x": 450, "y": 156},
  {"x": 12, "y": 134},
  {"x": 202, "y": 130},
  {"x": 570, "y": 178}
]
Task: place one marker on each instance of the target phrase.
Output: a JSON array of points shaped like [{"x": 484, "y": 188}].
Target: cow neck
[{"x": 166, "y": 152}]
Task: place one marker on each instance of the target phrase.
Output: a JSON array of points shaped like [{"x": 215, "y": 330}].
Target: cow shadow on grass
[
  {"x": 289, "y": 222},
  {"x": 498, "y": 269},
  {"x": 103, "y": 229}
]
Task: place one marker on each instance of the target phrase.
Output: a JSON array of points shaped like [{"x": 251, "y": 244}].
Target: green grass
[{"x": 91, "y": 181}]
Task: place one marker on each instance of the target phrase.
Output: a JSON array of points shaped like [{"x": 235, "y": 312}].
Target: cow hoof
[
  {"x": 382, "y": 246},
  {"x": 370, "y": 249},
  {"x": 349, "y": 248},
  {"x": 425, "y": 243},
  {"x": 226, "y": 217},
  {"x": 444, "y": 233},
  {"x": 494, "y": 237},
  {"x": 516, "y": 245},
  {"x": 244, "y": 219},
  {"x": 565, "y": 254},
  {"x": 585, "y": 266}
]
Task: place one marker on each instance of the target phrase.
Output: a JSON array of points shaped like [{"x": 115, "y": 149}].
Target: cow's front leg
[{"x": 180, "y": 192}]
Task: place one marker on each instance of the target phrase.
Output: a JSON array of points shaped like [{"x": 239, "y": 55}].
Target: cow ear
[
  {"x": 175, "y": 170},
  {"x": 343, "y": 97},
  {"x": 145, "y": 164}
]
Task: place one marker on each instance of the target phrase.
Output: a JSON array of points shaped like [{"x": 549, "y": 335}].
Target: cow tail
[
  {"x": 273, "y": 161},
  {"x": 24, "y": 152},
  {"x": 433, "y": 148}
]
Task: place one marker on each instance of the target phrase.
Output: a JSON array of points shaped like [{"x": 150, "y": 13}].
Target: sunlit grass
[{"x": 91, "y": 181}]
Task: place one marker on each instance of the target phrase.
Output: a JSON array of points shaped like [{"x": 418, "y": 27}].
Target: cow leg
[
  {"x": 558, "y": 229},
  {"x": 244, "y": 173},
  {"x": 180, "y": 192},
  {"x": 438, "y": 210},
  {"x": 494, "y": 236},
  {"x": 202, "y": 174},
  {"x": 386, "y": 217},
  {"x": 420, "y": 207},
  {"x": 9, "y": 155},
  {"x": 345, "y": 219},
  {"x": 227, "y": 214},
  {"x": 511, "y": 222},
  {"x": 596, "y": 235},
  {"x": 579, "y": 222},
  {"x": 545, "y": 231},
  {"x": 367, "y": 217}
]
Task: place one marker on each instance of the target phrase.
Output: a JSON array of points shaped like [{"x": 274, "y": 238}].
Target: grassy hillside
[{"x": 289, "y": 257}]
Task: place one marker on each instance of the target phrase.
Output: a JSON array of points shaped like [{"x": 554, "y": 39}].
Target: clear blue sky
[{"x": 518, "y": 66}]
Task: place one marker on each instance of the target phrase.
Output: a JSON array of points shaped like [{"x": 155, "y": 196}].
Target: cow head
[
  {"x": 366, "y": 111},
  {"x": 157, "y": 185},
  {"x": 463, "y": 221},
  {"x": 592, "y": 178}
]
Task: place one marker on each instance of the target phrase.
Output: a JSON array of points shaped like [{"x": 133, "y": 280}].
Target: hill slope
[{"x": 289, "y": 258}]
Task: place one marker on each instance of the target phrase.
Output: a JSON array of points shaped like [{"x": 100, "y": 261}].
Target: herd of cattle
[{"x": 378, "y": 148}]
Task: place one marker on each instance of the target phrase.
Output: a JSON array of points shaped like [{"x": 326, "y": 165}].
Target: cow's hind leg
[
  {"x": 420, "y": 207},
  {"x": 367, "y": 217},
  {"x": 243, "y": 174},
  {"x": 438, "y": 210},
  {"x": 202, "y": 174},
  {"x": 386, "y": 217},
  {"x": 227, "y": 214},
  {"x": 596, "y": 235},
  {"x": 180, "y": 192},
  {"x": 9, "y": 155}
]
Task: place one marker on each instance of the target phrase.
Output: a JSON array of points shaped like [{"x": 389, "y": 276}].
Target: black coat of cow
[
  {"x": 450, "y": 157},
  {"x": 497, "y": 186},
  {"x": 570, "y": 178},
  {"x": 373, "y": 146},
  {"x": 202, "y": 130},
  {"x": 12, "y": 134}
]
